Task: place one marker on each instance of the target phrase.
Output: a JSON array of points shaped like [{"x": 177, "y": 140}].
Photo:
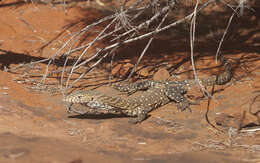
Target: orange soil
[{"x": 34, "y": 127}]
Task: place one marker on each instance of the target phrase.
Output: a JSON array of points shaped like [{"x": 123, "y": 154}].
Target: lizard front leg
[
  {"x": 176, "y": 93},
  {"x": 141, "y": 114}
]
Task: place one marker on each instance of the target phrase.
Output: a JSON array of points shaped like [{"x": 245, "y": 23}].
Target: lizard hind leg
[{"x": 131, "y": 88}]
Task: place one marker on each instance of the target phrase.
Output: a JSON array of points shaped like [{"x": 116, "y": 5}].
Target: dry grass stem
[{"x": 129, "y": 23}]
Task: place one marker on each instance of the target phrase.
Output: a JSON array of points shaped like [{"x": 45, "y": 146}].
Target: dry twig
[{"x": 121, "y": 28}]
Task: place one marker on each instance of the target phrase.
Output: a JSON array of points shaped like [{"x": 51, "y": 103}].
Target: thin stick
[
  {"x": 192, "y": 38},
  {"x": 146, "y": 47},
  {"x": 84, "y": 52},
  {"x": 222, "y": 39},
  {"x": 52, "y": 58}
]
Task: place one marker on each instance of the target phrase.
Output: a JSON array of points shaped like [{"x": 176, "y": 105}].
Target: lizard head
[{"x": 79, "y": 97}]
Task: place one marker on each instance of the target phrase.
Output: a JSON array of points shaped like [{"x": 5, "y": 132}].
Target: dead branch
[{"x": 122, "y": 28}]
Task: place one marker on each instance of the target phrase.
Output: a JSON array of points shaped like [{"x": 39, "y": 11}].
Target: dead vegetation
[{"x": 128, "y": 23}]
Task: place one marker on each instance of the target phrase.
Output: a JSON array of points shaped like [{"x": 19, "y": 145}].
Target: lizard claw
[
  {"x": 133, "y": 121},
  {"x": 68, "y": 108},
  {"x": 183, "y": 106},
  {"x": 139, "y": 119}
]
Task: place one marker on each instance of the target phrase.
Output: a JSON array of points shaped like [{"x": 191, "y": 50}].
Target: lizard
[
  {"x": 158, "y": 93},
  {"x": 138, "y": 107}
]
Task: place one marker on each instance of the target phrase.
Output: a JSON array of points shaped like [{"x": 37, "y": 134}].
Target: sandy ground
[{"x": 35, "y": 127}]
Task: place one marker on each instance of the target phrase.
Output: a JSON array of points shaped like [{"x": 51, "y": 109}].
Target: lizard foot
[
  {"x": 68, "y": 108},
  {"x": 142, "y": 115},
  {"x": 183, "y": 106}
]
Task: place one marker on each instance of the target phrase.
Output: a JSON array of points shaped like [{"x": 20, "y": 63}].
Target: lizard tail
[
  {"x": 223, "y": 77},
  {"x": 227, "y": 74}
]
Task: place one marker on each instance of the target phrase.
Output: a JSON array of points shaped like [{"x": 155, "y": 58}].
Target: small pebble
[
  {"x": 142, "y": 143},
  {"x": 5, "y": 88}
]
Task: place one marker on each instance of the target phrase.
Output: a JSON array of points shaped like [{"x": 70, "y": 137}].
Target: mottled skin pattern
[
  {"x": 138, "y": 106},
  {"x": 154, "y": 95},
  {"x": 99, "y": 101}
]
